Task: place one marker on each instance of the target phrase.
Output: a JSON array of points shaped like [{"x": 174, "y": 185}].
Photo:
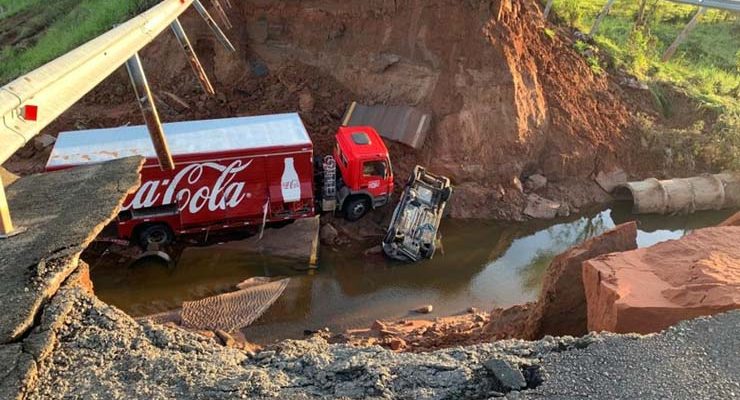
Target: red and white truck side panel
[{"x": 229, "y": 172}]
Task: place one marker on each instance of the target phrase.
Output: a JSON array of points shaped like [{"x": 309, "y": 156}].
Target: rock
[
  {"x": 43, "y": 141},
  {"x": 561, "y": 306},
  {"x": 253, "y": 281},
  {"x": 732, "y": 221},
  {"x": 535, "y": 182},
  {"x": 516, "y": 183},
  {"x": 425, "y": 309},
  {"x": 512, "y": 322},
  {"x": 650, "y": 289},
  {"x": 507, "y": 377},
  {"x": 328, "y": 234},
  {"x": 541, "y": 208},
  {"x": 397, "y": 344},
  {"x": 373, "y": 251},
  {"x": 226, "y": 339},
  {"x": 472, "y": 310},
  {"x": 564, "y": 210},
  {"x": 379, "y": 325},
  {"x": 306, "y": 101},
  {"x": 611, "y": 179}
]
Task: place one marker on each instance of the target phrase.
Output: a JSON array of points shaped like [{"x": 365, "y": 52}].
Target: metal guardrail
[
  {"x": 31, "y": 102},
  {"x": 729, "y": 5},
  {"x": 56, "y": 86}
]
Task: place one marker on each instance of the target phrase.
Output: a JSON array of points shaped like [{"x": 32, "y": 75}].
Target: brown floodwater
[{"x": 483, "y": 264}]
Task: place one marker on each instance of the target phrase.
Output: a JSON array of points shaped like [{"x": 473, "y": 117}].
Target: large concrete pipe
[{"x": 682, "y": 196}]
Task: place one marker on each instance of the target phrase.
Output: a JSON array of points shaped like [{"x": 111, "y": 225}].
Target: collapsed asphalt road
[{"x": 103, "y": 353}]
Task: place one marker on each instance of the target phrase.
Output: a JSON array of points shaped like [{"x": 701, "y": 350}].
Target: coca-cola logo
[{"x": 223, "y": 193}]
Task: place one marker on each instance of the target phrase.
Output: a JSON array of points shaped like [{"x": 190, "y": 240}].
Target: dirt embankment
[{"x": 508, "y": 98}]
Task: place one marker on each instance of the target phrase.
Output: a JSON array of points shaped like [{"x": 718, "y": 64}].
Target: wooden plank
[{"x": 683, "y": 35}]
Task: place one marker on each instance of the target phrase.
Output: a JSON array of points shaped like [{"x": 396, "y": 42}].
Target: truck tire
[
  {"x": 356, "y": 208},
  {"x": 158, "y": 234}
]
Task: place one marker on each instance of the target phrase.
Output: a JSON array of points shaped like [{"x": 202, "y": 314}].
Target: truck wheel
[
  {"x": 158, "y": 234},
  {"x": 356, "y": 208}
]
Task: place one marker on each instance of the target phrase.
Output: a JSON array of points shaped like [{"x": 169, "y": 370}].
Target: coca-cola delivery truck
[{"x": 235, "y": 172}]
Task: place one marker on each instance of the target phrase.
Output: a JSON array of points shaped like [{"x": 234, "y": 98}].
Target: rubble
[
  {"x": 650, "y": 289},
  {"x": 424, "y": 309},
  {"x": 541, "y": 208},
  {"x": 535, "y": 182},
  {"x": 610, "y": 180}
]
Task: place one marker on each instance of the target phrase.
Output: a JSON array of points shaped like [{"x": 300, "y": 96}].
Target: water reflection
[{"x": 483, "y": 264}]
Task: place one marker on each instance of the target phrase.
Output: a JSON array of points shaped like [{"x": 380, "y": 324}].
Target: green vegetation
[
  {"x": 706, "y": 67},
  {"x": 33, "y": 32}
]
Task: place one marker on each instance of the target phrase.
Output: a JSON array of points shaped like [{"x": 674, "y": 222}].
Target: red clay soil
[
  {"x": 507, "y": 99},
  {"x": 734, "y": 220},
  {"x": 650, "y": 289}
]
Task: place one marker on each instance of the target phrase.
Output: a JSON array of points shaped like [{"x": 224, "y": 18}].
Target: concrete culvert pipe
[{"x": 682, "y": 196}]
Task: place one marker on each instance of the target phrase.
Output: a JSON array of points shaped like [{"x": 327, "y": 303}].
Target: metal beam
[
  {"x": 728, "y": 5},
  {"x": 200, "y": 73},
  {"x": 149, "y": 111},
  {"x": 213, "y": 25},
  {"x": 56, "y": 86}
]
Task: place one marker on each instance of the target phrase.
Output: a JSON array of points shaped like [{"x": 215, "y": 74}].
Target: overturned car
[{"x": 412, "y": 234}]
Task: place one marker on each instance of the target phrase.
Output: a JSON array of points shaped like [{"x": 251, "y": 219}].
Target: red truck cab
[{"x": 365, "y": 170}]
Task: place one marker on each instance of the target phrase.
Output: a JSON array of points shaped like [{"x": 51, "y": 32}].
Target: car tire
[
  {"x": 356, "y": 208},
  {"x": 446, "y": 193},
  {"x": 157, "y": 234}
]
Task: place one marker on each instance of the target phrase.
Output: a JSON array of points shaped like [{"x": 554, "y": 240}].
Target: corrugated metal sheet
[
  {"x": 404, "y": 124},
  {"x": 96, "y": 145}
]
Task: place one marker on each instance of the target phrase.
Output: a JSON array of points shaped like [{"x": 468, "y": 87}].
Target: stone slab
[{"x": 650, "y": 289}]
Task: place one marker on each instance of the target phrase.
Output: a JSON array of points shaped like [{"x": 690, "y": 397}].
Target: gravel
[{"x": 103, "y": 353}]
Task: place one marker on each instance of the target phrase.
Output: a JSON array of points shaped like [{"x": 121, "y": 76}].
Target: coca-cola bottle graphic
[{"x": 290, "y": 185}]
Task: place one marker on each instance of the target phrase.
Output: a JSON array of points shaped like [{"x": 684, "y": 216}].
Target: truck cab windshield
[{"x": 375, "y": 168}]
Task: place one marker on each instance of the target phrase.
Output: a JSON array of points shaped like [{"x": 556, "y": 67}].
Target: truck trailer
[{"x": 235, "y": 172}]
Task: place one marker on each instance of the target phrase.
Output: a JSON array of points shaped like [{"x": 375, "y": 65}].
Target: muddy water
[{"x": 483, "y": 264}]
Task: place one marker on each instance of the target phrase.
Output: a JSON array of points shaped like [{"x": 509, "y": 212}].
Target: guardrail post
[
  {"x": 6, "y": 224},
  {"x": 149, "y": 110},
  {"x": 603, "y": 13},
  {"x": 548, "y": 8},
  {"x": 200, "y": 73},
  {"x": 683, "y": 35}
]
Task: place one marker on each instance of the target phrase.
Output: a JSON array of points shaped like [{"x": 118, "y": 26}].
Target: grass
[
  {"x": 706, "y": 66},
  {"x": 34, "y": 32}
]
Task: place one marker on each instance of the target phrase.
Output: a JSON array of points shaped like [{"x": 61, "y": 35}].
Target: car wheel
[
  {"x": 159, "y": 234},
  {"x": 356, "y": 208}
]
